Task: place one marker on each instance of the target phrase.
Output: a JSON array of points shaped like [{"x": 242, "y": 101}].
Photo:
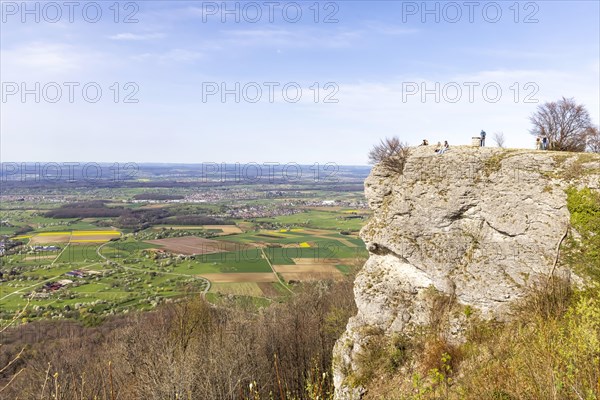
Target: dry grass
[
  {"x": 241, "y": 288},
  {"x": 551, "y": 350},
  {"x": 311, "y": 276},
  {"x": 308, "y": 268}
]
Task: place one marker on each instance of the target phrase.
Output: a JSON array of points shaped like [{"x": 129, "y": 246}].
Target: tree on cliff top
[
  {"x": 594, "y": 139},
  {"x": 499, "y": 139},
  {"x": 391, "y": 153},
  {"x": 565, "y": 123}
]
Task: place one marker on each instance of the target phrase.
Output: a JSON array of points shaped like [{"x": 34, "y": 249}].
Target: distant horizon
[
  {"x": 262, "y": 163},
  {"x": 266, "y": 163},
  {"x": 184, "y": 163}
]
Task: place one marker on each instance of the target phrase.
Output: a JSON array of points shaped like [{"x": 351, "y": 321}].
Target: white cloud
[
  {"x": 305, "y": 38},
  {"x": 46, "y": 56},
  {"x": 51, "y": 61},
  {"x": 508, "y": 53},
  {"x": 137, "y": 36},
  {"x": 388, "y": 29},
  {"x": 174, "y": 55}
]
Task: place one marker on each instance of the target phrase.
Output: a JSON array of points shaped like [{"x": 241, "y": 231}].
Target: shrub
[
  {"x": 390, "y": 153},
  {"x": 582, "y": 253}
]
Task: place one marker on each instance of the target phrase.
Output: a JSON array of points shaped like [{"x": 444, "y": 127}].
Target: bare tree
[
  {"x": 593, "y": 137},
  {"x": 565, "y": 124},
  {"x": 13, "y": 359},
  {"x": 391, "y": 153},
  {"x": 499, "y": 139},
  {"x": 188, "y": 349}
]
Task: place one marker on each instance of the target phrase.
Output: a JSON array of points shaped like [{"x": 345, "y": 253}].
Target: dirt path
[{"x": 275, "y": 272}]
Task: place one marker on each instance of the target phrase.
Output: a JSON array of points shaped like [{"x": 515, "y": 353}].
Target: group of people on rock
[
  {"x": 439, "y": 148},
  {"x": 542, "y": 142},
  {"x": 442, "y": 148}
]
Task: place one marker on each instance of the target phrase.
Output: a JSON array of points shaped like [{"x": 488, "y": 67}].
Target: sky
[{"x": 277, "y": 81}]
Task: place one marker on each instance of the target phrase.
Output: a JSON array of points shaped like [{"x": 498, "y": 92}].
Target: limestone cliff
[{"x": 478, "y": 224}]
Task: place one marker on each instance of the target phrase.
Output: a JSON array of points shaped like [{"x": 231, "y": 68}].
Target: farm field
[
  {"x": 101, "y": 263},
  {"x": 192, "y": 245},
  {"x": 330, "y": 220},
  {"x": 251, "y": 289},
  {"x": 71, "y": 236},
  {"x": 218, "y": 229},
  {"x": 239, "y": 277},
  {"x": 224, "y": 229},
  {"x": 307, "y": 272}
]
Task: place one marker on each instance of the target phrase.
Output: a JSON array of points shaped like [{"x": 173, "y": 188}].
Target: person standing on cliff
[
  {"x": 482, "y": 138},
  {"x": 545, "y": 142}
]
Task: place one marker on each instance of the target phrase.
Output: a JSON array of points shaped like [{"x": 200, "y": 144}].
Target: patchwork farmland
[
  {"x": 99, "y": 257},
  {"x": 132, "y": 272}
]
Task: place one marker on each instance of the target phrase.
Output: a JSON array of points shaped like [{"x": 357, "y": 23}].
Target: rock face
[{"x": 478, "y": 224}]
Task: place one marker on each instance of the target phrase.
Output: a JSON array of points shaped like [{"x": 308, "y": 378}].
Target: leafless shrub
[
  {"x": 593, "y": 136},
  {"x": 11, "y": 361},
  {"x": 390, "y": 153},
  {"x": 499, "y": 139}
]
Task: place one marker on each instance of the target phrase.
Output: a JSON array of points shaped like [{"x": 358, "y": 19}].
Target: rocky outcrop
[{"x": 478, "y": 224}]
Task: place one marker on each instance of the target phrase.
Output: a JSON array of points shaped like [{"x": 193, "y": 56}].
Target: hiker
[
  {"x": 544, "y": 142},
  {"x": 482, "y": 140},
  {"x": 438, "y": 147},
  {"x": 538, "y": 143},
  {"x": 425, "y": 142},
  {"x": 444, "y": 148}
]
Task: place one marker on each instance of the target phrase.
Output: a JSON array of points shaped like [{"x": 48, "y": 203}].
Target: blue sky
[{"x": 376, "y": 56}]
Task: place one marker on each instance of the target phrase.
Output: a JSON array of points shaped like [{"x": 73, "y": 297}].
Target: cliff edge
[{"x": 478, "y": 225}]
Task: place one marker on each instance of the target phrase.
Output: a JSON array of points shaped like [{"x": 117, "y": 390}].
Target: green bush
[{"x": 583, "y": 253}]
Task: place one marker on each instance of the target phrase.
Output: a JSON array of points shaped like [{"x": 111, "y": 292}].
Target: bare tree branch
[
  {"x": 391, "y": 153},
  {"x": 565, "y": 124},
  {"x": 593, "y": 137},
  {"x": 499, "y": 139}
]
